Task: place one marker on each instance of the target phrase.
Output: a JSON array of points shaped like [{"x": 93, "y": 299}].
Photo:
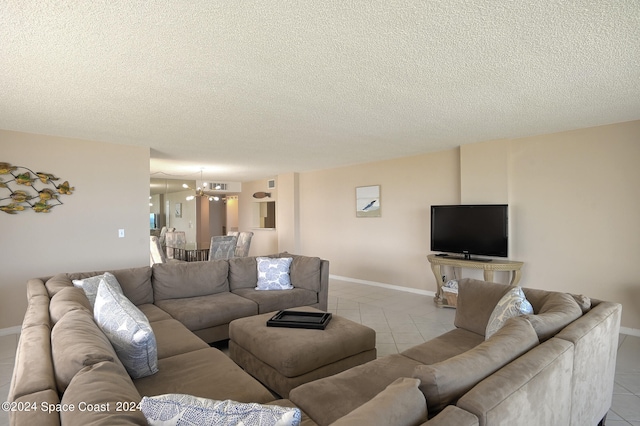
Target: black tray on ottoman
[{"x": 300, "y": 319}]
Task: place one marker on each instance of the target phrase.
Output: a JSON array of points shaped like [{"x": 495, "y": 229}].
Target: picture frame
[
  {"x": 178, "y": 209},
  {"x": 368, "y": 201}
]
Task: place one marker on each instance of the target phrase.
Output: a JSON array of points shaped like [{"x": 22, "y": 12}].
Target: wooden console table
[{"x": 487, "y": 267}]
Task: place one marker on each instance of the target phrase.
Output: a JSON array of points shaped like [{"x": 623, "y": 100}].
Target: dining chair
[
  {"x": 172, "y": 239},
  {"x": 157, "y": 255},
  {"x": 222, "y": 247},
  {"x": 244, "y": 242}
]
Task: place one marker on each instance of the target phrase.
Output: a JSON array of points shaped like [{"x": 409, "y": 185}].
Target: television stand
[{"x": 488, "y": 268}]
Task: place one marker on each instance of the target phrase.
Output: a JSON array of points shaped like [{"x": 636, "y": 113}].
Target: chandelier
[{"x": 200, "y": 191}]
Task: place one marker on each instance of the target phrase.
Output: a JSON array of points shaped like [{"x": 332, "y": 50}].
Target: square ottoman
[{"x": 284, "y": 358}]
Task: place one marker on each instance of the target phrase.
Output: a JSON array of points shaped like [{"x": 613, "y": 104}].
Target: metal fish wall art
[{"x": 21, "y": 188}]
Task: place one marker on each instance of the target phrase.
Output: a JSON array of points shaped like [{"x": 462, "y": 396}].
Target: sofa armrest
[
  {"x": 453, "y": 416},
  {"x": 533, "y": 390}
]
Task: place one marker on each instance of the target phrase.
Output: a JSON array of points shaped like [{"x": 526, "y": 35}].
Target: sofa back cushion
[
  {"x": 76, "y": 342},
  {"x": 243, "y": 273},
  {"x": 135, "y": 282},
  {"x": 305, "y": 272},
  {"x": 108, "y": 390},
  {"x": 554, "y": 312},
  {"x": 400, "y": 404},
  {"x": 66, "y": 300},
  {"x": 189, "y": 279},
  {"x": 444, "y": 382},
  {"x": 476, "y": 301}
]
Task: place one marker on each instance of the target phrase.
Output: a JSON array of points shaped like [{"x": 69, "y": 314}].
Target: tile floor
[{"x": 402, "y": 320}]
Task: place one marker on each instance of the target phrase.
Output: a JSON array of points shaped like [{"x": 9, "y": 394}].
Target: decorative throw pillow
[
  {"x": 273, "y": 273},
  {"x": 512, "y": 304},
  {"x": 128, "y": 330},
  {"x": 175, "y": 409},
  {"x": 90, "y": 285}
]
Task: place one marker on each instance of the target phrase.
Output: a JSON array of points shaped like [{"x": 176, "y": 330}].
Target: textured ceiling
[{"x": 251, "y": 89}]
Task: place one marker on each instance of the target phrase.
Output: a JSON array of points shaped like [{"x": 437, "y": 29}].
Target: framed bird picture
[{"x": 368, "y": 201}]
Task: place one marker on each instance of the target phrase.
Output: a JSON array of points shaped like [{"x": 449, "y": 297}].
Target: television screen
[{"x": 470, "y": 229}]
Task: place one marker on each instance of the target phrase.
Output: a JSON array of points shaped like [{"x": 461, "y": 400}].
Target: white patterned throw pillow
[
  {"x": 273, "y": 273},
  {"x": 90, "y": 285},
  {"x": 512, "y": 304},
  {"x": 179, "y": 409},
  {"x": 128, "y": 330}
]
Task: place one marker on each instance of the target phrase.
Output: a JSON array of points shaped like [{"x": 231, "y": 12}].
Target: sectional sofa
[
  {"x": 64, "y": 359},
  {"x": 555, "y": 366}
]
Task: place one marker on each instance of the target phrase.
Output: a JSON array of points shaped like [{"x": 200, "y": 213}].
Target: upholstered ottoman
[{"x": 284, "y": 358}]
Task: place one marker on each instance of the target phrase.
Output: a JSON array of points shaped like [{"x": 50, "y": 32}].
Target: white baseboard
[
  {"x": 10, "y": 330},
  {"x": 623, "y": 330},
  {"x": 383, "y": 285},
  {"x": 630, "y": 331}
]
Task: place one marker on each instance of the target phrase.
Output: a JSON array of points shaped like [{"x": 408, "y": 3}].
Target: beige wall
[
  {"x": 111, "y": 192},
  {"x": 574, "y": 212},
  {"x": 187, "y": 223},
  {"x": 573, "y": 196},
  {"x": 264, "y": 241},
  {"x": 575, "y": 208},
  {"x": 390, "y": 249}
]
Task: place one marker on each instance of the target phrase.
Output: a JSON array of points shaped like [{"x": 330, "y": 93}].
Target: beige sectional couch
[
  {"x": 65, "y": 361},
  {"x": 553, "y": 367}
]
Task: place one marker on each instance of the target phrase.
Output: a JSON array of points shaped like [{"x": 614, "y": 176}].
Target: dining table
[{"x": 191, "y": 251}]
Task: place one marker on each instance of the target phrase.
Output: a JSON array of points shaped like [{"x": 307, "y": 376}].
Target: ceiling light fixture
[{"x": 200, "y": 190}]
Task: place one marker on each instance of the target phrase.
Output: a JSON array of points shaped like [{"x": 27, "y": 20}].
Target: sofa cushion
[
  {"x": 326, "y": 400},
  {"x": 68, "y": 299},
  {"x": 202, "y": 373},
  {"x": 173, "y": 338},
  {"x": 269, "y": 301},
  {"x": 201, "y": 312},
  {"x": 584, "y": 302},
  {"x": 444, "y": 382},
  {"x": 451, "y": 343},
  {"x": 476, "y": 300},
  {"x": 136, "y": 284},
  {"x": 102, "y": 394},
  {"x": 57, "y": 283},
  {"x": 153, "y": 313},
  {"x": 557, "y": 311},
  {"x": 273, "y": 273},
  {"x": 305, "y": 272},
  {"x": 189, "y": 279},
  {"x": 177, "y": 409},
  {"x": 76, "y": 342},
  {"x": 512, "y": 304},
  {"x": 90, "y": 285},
  {"x": 400, "y": 404},
  {"x": 128, "y": 331},
  {"x": 243, "y": 273}
]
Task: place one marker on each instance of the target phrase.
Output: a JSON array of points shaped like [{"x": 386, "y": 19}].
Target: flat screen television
[{"x": 479, "y": 229}]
